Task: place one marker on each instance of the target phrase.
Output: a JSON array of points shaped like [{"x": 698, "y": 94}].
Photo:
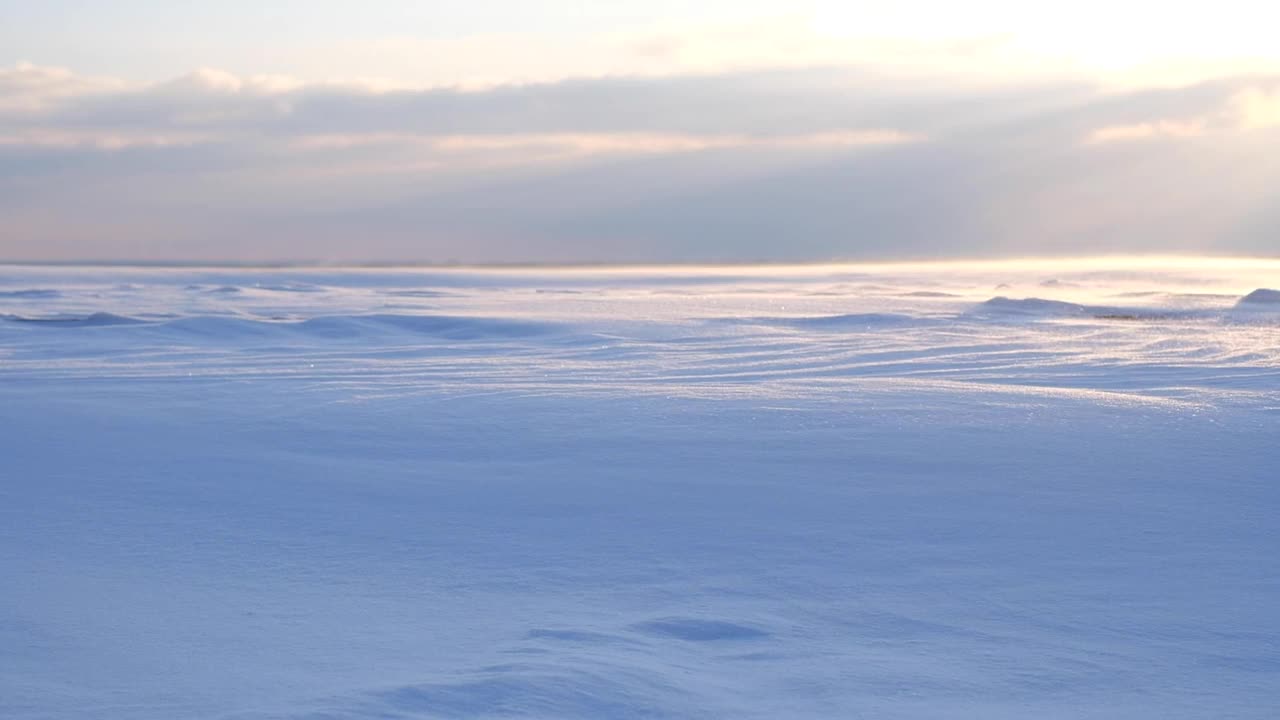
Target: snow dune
[
  {"x": 1261, "y": 296},
  {"x": 1035, "y": 307},
  {"x": 812, "y": 492}
]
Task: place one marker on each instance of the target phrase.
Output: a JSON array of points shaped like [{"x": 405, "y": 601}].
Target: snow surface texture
[{"x": 937, "y": 491}]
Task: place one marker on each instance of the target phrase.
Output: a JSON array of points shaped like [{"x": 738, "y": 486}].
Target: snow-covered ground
[{"x": 1005, "y": 490}]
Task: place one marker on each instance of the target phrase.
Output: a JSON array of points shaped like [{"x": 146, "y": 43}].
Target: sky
[{"x": 556, "y": 131}]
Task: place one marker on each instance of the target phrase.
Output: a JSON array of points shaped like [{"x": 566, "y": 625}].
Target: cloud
[
  {"x": 774, "y": 164},
  {"x": 776, "y": 102},
  {"x": 98, "y": 140},
  {"x": 32, "y": 88},
  {"x": 1253, "y": 104},
  {"x": 1139, "y": 131}
]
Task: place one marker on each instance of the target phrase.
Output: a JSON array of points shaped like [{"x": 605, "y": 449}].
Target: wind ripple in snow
[
  {"x": 698, "y": 630},
  {"x": 851, "y": 321},
  {"x": 30, "y": 294},
  {"x": 522, "y": 690},
  {"x": 714, "y": 339},
  {"x": 333, "y": 327},
  {"x": 98, "y": 319}
]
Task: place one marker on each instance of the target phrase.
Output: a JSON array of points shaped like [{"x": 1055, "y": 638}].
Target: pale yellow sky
[
  {"x": 432, "y": 43},
  {"x": 1130, "y": 40}
]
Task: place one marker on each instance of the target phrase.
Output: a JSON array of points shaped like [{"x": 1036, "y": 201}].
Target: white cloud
[
  {"x": 25, "y": 87},
  {"x": 789, "y": 108},
  {"x": 106, "y": 140},
  {"x": 211, "y": 81},
  {"x": 603, "y": 143},
  {"x": 1146, "y": 130},
  {"x": 1232, "y": 111}
]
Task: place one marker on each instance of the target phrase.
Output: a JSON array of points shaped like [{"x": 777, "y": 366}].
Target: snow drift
[{"x": 859, "y": 491}]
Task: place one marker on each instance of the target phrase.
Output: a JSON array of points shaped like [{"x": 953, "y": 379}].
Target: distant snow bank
[
  {"x": 1031, "y": 307},
  {"x": 1261, "y": 296},
  {"x": 1036, "y": 308}
]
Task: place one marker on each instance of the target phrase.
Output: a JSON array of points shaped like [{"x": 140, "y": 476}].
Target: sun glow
[{"x": 1142, "y": 40}]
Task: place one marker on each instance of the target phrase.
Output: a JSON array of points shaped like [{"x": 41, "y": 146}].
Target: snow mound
[
  {"x": 1040, "y": 308},
  {"x": 1001, "y": 306},
  {"x": 1261, "y": 296}
]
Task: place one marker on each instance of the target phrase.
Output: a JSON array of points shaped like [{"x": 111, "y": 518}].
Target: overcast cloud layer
[{"x": 802, "y": 163}]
